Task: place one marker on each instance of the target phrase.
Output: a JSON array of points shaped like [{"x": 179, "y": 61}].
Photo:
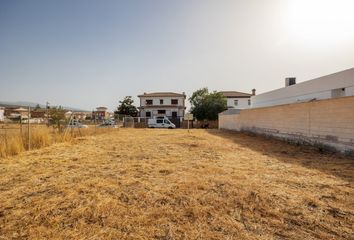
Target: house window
[
  {"x": 174, "y": 101},
  {"x": 161, "y": 101},
  {"x": 174, "y": 114},
  {"x": 249, "y": 102},
  {"x": 161, "y": 111},
  {"x": 236, "y": 102},
  {"x": 149, "y": 102},
  {"x": 148, "y": 114}
]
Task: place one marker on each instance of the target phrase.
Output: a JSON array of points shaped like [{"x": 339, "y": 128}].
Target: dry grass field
[
  {"x": 14, "y": 137},
  {"x": 175, "y": 184}
]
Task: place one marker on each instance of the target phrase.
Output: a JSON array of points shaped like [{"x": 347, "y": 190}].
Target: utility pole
[
  {"x": 28, "y": 130},
  {"x": 46, "y": 112},
  {"x": 21, "y": 125}
]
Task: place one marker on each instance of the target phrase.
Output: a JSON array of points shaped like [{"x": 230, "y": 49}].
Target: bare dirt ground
[{"x": 171, "y": 184}]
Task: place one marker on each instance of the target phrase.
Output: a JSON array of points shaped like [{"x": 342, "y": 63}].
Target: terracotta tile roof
[
  {"x": 162, "y": 94},
  {"x": 21, "y": 109},
  {"x": 234, "y": 94},
  {"x": 101, "y": 108}
]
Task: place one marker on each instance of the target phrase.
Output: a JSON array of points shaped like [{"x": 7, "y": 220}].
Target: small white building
[
  {"x": 238, "y": 100},
  {"x": 2, "y": 114},
  {"x": 77, "y": 115},
  {"x": 159, "y": 104},
  {"x": 19, "y": 112},
  {"x": 335, "y": 85}
]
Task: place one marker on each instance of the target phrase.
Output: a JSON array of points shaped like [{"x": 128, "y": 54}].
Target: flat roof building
[{"x": 340, "y": 84}]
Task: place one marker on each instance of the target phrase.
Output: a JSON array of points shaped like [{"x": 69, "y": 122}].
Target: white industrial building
[
  {"x": 238, "y": 100},
  {"x": 160, "y": 104},
  {"x": 340, "y": 84},
  {"x": 2, "y": 113}
]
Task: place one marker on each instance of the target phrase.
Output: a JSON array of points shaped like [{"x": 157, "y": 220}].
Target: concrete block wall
[
  {"x": 325, "y": 122},
  {"x": 229, "y": 122}
]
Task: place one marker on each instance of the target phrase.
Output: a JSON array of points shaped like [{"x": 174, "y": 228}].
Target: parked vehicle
[
  {"x": 160, "y": 123},
  {"x": 74, "y": 123},
  {"x": 110, "y": 123}
]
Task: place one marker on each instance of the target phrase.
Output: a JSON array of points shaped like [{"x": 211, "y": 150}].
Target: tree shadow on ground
[{"x": 335, "y": 164}]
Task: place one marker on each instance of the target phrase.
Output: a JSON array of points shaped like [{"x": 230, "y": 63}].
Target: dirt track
[{"x": 171, "y": 184}]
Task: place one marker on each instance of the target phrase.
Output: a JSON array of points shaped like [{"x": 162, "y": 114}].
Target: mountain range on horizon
[{"x": 33, "y": 105}]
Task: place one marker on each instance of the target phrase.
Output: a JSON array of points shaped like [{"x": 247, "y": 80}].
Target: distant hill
[{"x": 33, "y": 105}]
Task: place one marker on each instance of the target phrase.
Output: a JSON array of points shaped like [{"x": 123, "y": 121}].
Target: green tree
[
  {"x": 56, "y": 115},
  {"x": 126, "y": 107},
  {"x": 207, "y": 106}
]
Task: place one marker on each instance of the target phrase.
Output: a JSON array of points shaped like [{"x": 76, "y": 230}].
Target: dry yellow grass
[
  {"x": 13, "y": 141},
  {"x": 171, "y": 184}
]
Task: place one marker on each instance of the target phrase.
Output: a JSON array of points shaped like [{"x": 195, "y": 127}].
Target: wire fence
[
  {"x": 30, "y": 133},
  {"x": 135, "y": 122},
  {"x": 142, "y": 122}
]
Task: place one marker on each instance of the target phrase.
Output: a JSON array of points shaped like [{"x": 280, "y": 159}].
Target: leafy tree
[
  {"x": 207, "y": 106},
  {"x": 126, "y": 107},
  {"x": 198, "y": 96},
  {"x": 56, "y": 115},
  {"x": 37, "y": 107}
]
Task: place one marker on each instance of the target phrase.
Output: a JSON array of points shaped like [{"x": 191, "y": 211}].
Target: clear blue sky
[{"x": 85, "y": 53}]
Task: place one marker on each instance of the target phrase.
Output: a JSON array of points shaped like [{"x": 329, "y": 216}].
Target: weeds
[{"x": 151, "y": 184}]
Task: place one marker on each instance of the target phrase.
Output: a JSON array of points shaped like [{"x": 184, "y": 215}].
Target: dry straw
[
  {"x": 15, "y": 141},
  {"x": 171, "y": 184}
]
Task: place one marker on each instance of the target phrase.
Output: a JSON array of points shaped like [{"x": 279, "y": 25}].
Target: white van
[{"x": 160, "y": 123}]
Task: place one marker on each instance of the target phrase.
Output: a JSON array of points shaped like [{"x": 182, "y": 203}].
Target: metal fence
[
  {"x": 135, "y": 122},
  {"x": 142, "y": 122}
]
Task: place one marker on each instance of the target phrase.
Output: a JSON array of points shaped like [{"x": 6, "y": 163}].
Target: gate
[{"x": 176, "y": 121}]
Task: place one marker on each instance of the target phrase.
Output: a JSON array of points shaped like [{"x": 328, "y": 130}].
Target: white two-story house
[
  {"x": 238, "y": 100},
  {"x": 160, "y": 104}
]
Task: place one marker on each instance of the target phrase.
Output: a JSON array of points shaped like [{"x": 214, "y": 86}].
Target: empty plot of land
[{"x": 175, "y": 184}]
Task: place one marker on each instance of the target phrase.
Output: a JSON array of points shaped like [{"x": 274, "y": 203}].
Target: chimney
[
  {"x": 253, "y": 92},
  {"x": 290, "y": 81}
]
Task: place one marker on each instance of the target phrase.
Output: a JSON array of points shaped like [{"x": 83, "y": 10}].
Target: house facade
[
  {"x": 39, "y": 113},
  {"x": 100, "y": 114},
  {"x": 77, "y": 115},
  {"x": 160, "y": 104},
  {"x": 238, "y": 100},
  {"x": 340, "y": 84}
]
